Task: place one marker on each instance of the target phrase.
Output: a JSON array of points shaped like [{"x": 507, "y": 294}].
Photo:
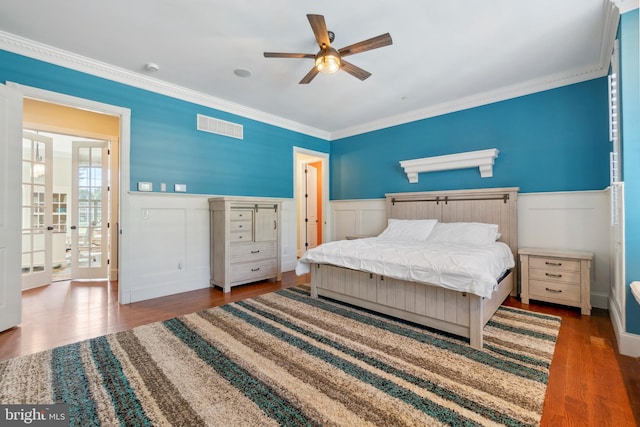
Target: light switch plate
[
  {"x": 145, "y": 186},
  {"x": 180, "y": 188},
  {"x": 163, "y": 186}
]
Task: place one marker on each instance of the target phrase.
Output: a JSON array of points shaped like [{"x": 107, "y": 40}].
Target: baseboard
[
  {"x": 628, "y": 344},
  {"x": 600, "y": 300},
  {"x": 158, "y": 290},
  {"x": 289, "y": 265}
]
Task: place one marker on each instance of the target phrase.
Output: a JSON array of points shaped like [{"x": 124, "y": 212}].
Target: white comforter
[{"x": 467, "y": 268}]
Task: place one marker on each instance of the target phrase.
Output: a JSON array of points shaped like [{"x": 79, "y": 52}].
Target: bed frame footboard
[{"x": 459, "y": 313}]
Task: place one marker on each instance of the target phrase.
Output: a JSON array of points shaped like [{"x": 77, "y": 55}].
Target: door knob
[
  {"x": 50, "y": 228},
  {"x": 73, "y": 227}
]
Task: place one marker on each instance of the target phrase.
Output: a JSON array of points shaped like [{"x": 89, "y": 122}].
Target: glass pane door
[
  {"x": 89, "y": 217},
  {"x": 37, "y": 152}
]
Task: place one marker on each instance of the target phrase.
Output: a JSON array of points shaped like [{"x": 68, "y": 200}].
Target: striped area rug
[{"x": 286, "y": 359}]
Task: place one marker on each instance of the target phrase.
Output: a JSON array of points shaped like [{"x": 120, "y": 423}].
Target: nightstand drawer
[
  {"x": 555, "y": 292},
  {"x": 549, "y": 264},
  {"x": 556, "y": 276}
]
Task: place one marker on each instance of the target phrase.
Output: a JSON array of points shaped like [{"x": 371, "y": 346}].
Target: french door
[
  {"x": 89, "y": 217},
  {"x": 37, "y": 227}
]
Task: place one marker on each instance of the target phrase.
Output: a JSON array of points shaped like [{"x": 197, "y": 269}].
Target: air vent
[{"x": 220, "y": 127}]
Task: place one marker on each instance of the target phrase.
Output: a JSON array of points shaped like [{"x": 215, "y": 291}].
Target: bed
[{"x": 460, "y": 312}]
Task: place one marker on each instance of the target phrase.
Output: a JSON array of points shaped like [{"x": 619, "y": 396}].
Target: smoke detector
[{"x": 151, "y": 66}]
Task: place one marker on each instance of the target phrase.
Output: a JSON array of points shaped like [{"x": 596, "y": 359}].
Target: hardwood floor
[{"x": 590, "y": 384}]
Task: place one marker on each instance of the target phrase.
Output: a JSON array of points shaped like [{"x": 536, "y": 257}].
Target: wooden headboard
[{"x": 490, "y": 205}]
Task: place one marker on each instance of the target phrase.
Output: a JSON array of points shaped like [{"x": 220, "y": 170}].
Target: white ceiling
[{"x": 446, "y": 55}]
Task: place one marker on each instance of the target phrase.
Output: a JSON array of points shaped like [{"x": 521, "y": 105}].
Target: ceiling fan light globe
[{"x": 328, "y": 61}]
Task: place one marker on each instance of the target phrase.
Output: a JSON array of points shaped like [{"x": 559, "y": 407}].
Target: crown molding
[
  {"x": 52, "y": 55},
  {"x": 627, "y": 5}
]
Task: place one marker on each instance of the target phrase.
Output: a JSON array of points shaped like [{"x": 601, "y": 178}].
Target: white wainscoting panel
[
  {"x": 168, "y": 236},
  {"x": 571, "y": 220},
  {"x": 289, "y": 236},
  {"x": 168, "y": 244},
  {"x": 366, "y": 217},
  {"x": 560, "y": 220}
]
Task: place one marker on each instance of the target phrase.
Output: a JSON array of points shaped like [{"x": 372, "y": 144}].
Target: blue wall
[
  {"x": 165, "y": 145},
  {"x": 557, "y": 140},
  {"x": 630, "y": 107}
]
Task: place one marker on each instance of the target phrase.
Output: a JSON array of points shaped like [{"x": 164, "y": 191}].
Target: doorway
[
  {"x": 311, "y": 193},
  {"x": 76, "y": 206}
]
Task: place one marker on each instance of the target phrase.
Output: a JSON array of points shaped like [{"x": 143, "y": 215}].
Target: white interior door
[
  {"x": 10, "y": 132},
  {"x": 89, "y": 217},
  {"x": 311, "y": 200},
  {"x": 37, "y": 218}
]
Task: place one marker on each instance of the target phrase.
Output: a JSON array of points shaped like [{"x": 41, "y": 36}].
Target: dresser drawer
[
  {"x": 240, "y": 236},
  {"x": 241, "y": 214},
  {"x": 549, "y": 264},
  {"x": 556, "y": 276},
  {"x": 240, "y": 225},
  {"x": 554, "y": 292},
  {"x": 246, "y": 271},
  {"x": 253, "y": 252}
]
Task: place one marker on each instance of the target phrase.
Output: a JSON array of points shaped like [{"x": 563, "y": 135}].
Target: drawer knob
[
  {"x": 255, "y": 252},
  {"x": 555, "y": 291},
  {"x": 555, "y": 264},
  {"x": 553, "y": 275},
  {"x": 255, "y": 269}
]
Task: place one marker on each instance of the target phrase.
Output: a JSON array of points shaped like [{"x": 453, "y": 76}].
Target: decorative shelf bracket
[{"x": 482, "y": 159}]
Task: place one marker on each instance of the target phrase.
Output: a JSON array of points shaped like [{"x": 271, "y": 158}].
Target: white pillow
[
  {"x": 408, "y": 229},
  {"x": 475, "y": 233}
]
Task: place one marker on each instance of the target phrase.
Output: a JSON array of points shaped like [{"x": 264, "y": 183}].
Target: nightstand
[{"x": 556, "y": 275}]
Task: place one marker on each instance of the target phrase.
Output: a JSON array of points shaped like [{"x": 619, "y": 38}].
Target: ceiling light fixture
[{"x": 328, "y": 60}]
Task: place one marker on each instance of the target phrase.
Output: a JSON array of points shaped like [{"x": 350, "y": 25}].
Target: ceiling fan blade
[
  {"x": 363, "y": 46},
  {"x": 319, "y": 30},
  {"x": 355, "y": 70},
  {"x": 310, "y": 75},
  {"x": 288, "y": 55}
]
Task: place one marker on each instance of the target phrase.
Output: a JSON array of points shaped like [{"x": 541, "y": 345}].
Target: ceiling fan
[{"x": 328, "y": 59}]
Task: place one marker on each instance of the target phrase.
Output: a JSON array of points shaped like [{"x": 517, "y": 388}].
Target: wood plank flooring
[{"x": 590, "y": 384}]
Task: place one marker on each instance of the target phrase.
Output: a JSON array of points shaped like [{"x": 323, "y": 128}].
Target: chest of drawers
[
  {"x": 557, "y": 276},
  {"x": 245, "y": 240}
]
